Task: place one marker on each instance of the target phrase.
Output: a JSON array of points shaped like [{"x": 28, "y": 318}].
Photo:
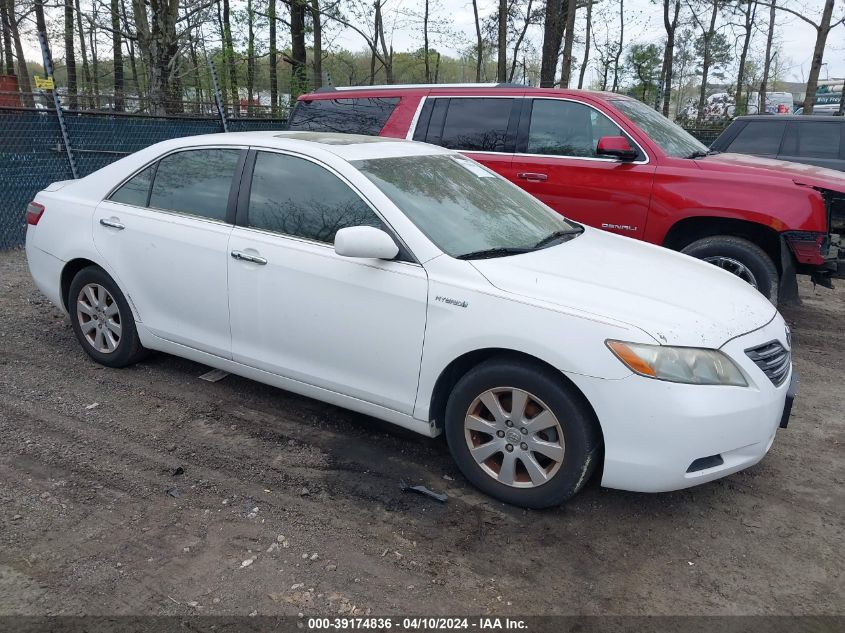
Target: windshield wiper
[
  {"x": 702, "y": 153},
  {"x": 493, "y": 252},
  {"x": 558, "y": 235}
]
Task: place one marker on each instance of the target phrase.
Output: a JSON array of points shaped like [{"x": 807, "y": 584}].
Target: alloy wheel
[
  {"x": 99, "y": 318},
  {"x": 514, "y": 437},
  {"x": 733, "y": 266}
]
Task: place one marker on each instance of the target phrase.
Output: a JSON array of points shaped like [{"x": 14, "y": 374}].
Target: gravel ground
[{"x": 285, "y": 505}]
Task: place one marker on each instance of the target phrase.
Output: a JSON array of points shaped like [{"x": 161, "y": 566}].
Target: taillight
[{"x": 34, "y": 211}]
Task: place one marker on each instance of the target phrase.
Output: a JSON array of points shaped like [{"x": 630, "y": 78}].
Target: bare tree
[
  {"x": 823, "y": 28},
  {"x": 586, "y": 60},
  {"x": 502, "y": 42},
  {"x": 480, "y": 42},
  {"x": 620, "y": 46},
  {"x": 273, "y": 57},
  {"x": 708, "y": 31},
  {"x": 11, "y": 22},
  {"x": 86, "y": 69},
  {"x": 747, "y": 9},
  {"x": 70, "y": 57},
  {"x": 553, "y": 24},
  {"x": 767, "y": 61},
  {"x": 117, "y": 56},
  {"x": 317, "y": 63},
  {"x": 525, "y": 24},
  {"x": 671, "y": 10},
  {"x": 297, "y": 59},
  {"x": 568, "y": 39},
  {"x": 228, "y": 55},
  {"x": 250, "y": 57}
]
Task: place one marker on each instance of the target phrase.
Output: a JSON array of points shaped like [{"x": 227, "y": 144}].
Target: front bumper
[{"x": 661, "y": 436}]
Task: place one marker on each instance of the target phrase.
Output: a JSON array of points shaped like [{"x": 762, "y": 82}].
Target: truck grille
[{"x": 773, "y": 359}]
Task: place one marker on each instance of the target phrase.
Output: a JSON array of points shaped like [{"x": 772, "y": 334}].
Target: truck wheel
[
  {"x": 520, "y": 434},
  {"x": 744, "y": 259}
]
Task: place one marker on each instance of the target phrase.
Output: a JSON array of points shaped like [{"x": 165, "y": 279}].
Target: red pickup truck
[{"x": 612, "y": 162}]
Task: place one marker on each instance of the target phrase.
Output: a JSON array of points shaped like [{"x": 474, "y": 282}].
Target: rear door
[
  {"x": 483, "y": 128},
  {"x": 164, "y": 233},
  {"x": 817, "y": 143},
  {"x": 556, "y": 161}
]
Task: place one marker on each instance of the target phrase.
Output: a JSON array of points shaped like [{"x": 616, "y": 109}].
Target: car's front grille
[{"x": 773, "y": 359}]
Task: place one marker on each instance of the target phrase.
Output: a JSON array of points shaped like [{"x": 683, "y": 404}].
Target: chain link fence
[{"x": 32, "y": 152}]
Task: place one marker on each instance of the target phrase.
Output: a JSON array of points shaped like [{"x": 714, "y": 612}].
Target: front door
[
  {"x": 164, "y": 234},
  {"x": 556, "y": 161},
  {"x": 300, "y": 310}
]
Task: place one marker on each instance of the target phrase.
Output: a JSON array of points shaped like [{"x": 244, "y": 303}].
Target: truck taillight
[
  {"x": 808, "y": 247},
  {"x": 34, "y": 211}
]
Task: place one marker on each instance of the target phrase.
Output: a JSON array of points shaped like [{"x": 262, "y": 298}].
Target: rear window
[
  {"x": 348, "y": 116},
  {"x": 759, "y": 137}
]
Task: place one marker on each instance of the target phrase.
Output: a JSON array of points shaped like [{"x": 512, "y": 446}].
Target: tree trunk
[
  {"x": 552, "y": 38},
  {"x": 23, "y": 73},
  {"x": 132, "y": 64},
  {"x": 480, "y": 42},
  {"x": 621, "y": 45},
  {"x": 8, "y": 61},
  {"x": 117, "y": 55},
  {"x": 70, "y": 58},
  {"x": 86, "y": 70},
  {"x": 229, "y": 59},
  {"x": 317, "y": 23},
  {"x": 705, "y": 63},
  {"x": 425, "y": 42},
  {"x": 95, "y": 65},
  {"x": 387, "y": 54},
  {"x": 273, "y": 59},
  {"x": 41, "y": 27},
  {"x": 502, "y": 43},
  {"x": 740, "y": 105},
  {"x": 583, "y": 70},
  {"x": 298, "y": 78},
  {"x": 568, "y": 39},
  {"x": 250, "y": 58},
  {"x": 764, "y": 84},
  {"x": 669, "y": 52},
  {"x": 818, "y": 55}
]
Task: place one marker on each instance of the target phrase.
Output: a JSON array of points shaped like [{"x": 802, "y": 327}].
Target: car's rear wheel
[
  {"x": 520, "y": 434},
  {"x": 740, "y": 257},
  {"x": 102, "y": 320}
]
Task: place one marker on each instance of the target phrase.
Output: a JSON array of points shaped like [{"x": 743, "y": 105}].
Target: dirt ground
[{"x": 289, "y": 506}]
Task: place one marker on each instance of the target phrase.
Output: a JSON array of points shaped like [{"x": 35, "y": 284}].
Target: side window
[
  {"x": 759, "y": 137},
  {"x": 475, "y": 124},
  {"x": 196, "y": 182},
  {"x": 294, "y": 196},
  {"x": 136, "y": 190},
  {"x": 567, "y": 128},
  {"x": 349, "y": 116},
  {"x": 812, "y": 139}
]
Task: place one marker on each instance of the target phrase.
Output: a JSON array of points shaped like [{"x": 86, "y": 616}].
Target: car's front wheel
[
  {"x": 520, "y": 434},
  {"x": 740, "y": 257},
  {"x": 102, "y": 320}
]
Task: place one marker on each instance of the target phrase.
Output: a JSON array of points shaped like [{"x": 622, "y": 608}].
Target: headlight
[{"x": 679, "y": 364}]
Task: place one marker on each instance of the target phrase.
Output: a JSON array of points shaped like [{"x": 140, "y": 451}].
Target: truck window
[
  {"x": 759, "y": 137},
  {"x": 472, "y": 124},
  {"x": 349, "y": 116},
  {"x": 812, "y": 139},
  {"x": 567, "y": 128}
]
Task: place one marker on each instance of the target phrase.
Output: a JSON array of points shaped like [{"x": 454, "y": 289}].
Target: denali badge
[
  {"x": 450, "y": 301},
  {"x": 619, "y": 227}
]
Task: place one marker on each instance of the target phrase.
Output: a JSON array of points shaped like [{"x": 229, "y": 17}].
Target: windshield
[
  {"x": 462, "y": 207},
  {"x": 671, "y": 138}
]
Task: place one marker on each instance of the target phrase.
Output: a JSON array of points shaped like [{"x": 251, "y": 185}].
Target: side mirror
[
  {"x": 616, "y": 146},
  {"x": 365, "y": 241}
]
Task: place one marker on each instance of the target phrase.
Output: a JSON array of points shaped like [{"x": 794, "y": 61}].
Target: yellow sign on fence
[{"x": 45, "y": 83}]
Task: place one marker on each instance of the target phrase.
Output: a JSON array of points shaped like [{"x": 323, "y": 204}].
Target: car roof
[
  {"x": 790, "y": 117},
  {"x": 349, "y": 147},
  {"x": 345, "y": 92}
]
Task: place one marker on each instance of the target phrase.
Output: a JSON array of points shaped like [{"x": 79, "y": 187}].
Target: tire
[
  {"x": 577, "y": 433},
  {"x": 740, "y": 257},
  {"x": 101, "y": 319}
]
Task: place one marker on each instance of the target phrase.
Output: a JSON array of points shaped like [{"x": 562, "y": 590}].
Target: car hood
[
  {"x": 757, "y": 166},
  {"x": 674, "y": 298}
]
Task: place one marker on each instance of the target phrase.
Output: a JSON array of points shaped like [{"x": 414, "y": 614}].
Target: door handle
[
  {"x": 527, "y": 175},
  {"x": 246, "y": 257},
  {"x": 112, "y": 223}
]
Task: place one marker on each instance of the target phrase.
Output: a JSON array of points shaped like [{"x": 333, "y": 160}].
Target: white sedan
[{"x": 409, "y": 283}]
